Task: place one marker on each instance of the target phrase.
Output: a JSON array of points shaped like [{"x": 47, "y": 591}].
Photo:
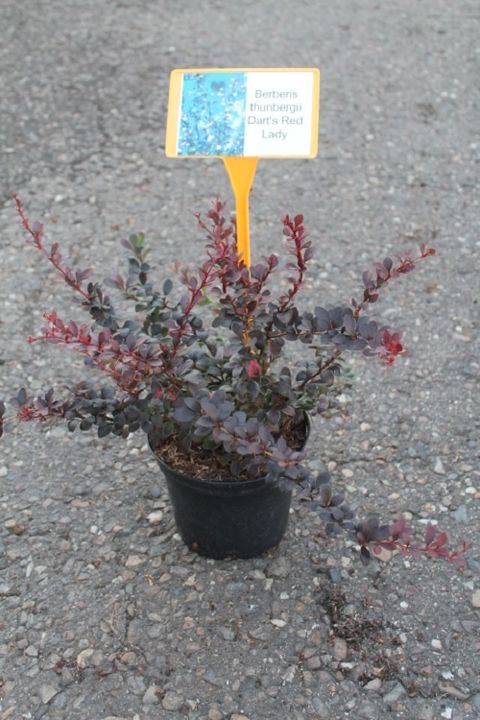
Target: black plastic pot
[
  {"x": 227, "y": 519},
  {"x": 224, "y": 519}
]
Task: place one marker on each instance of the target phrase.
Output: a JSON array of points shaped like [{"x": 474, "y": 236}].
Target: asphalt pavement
[{"x": 104, "y": 615}]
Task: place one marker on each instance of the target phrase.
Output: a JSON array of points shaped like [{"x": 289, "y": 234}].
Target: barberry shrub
[{"x": 208, "y": 372}]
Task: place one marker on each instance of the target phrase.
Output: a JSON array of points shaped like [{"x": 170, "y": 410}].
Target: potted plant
[{"x": 211, "y": 378}]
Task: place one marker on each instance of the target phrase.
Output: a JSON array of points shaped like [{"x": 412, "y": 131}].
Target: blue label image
[{"x": 212, "y": 114}]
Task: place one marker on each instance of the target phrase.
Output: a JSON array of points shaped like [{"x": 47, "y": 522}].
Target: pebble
[
  {"x": 235, "y": 588},
  {"x": 278, "y": 568},
  {"x": 47, "y": 692},
  {"x": 447, "y": 675},
  {"x": 314, "y": 663},
  {"x": 397, "y": 692},
  {"x": 7, "y": 688},
  {"x": 278, "y": 623},
  {"x": 460, "y": 515},
  {"x": 136, "y": 685},
  {"x": 438, "y": 467},
  {"x": 256, "y": 574},
  {"x": 3, "y": 471},
  {"x": 155, "y": 517},
  {"x": 367, "y": 710},
  {"x": 97, "y": 658},
  {"x": 321, "y": 709},
  {"x": 473, "y": 565},
  {"x": 227, "y": 633},
  {"x": 134, "y": 561},
  {"x": 289, "y": 674},
  {"x": 334, "y": 574},
  {"x": 14, "y": 527},
  {"x": 340, "y": 649},
  {"x": 436, "y": 644},
  {"x": 418, "y": 451},
  {"x": 6, "y": 590},
  {"x": 308, "y": 652},
  {"x": 258, "y": 633},
  {"x": 151, "y": 696},
  {"x": 476, "y": 599},
  {"x": 453, "y": 692},
  {"x": 374, "y": 684},
  {"x": 84, "y": 657},
  {"x": 128, "y": 658},
  {"x": 214, "y": 713}
]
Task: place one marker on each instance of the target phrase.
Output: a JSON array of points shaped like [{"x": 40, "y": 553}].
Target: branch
[
  {"x": 370, "y": 533},
  {"x": 302, "y": 250},
  {"x": 74, "y": 280},
  {"x": 385, "y": 271},
  {"x": 129, "y": 361}
]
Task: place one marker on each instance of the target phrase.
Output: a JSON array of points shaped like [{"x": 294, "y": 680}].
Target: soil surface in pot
[{"x": 197, "y": 462}]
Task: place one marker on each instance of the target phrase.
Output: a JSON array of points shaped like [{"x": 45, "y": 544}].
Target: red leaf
[
  {"x": 442, "y": 539},
  {"x": 398, "y": 527},
  {"x": 429, "y": 534}
]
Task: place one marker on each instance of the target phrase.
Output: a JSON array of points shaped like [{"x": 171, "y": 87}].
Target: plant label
[{"x": 249, "y": 112}]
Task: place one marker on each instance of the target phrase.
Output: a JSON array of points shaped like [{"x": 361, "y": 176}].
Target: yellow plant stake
[
  {"x": 241, "y": 171},
  {"x": 241, "y": 115}
]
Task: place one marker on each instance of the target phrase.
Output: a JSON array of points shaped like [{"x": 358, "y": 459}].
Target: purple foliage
[{"x": 210, "y": 367}]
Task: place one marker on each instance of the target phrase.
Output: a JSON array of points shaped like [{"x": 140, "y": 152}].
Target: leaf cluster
[{"x": 210, "y": 368}]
